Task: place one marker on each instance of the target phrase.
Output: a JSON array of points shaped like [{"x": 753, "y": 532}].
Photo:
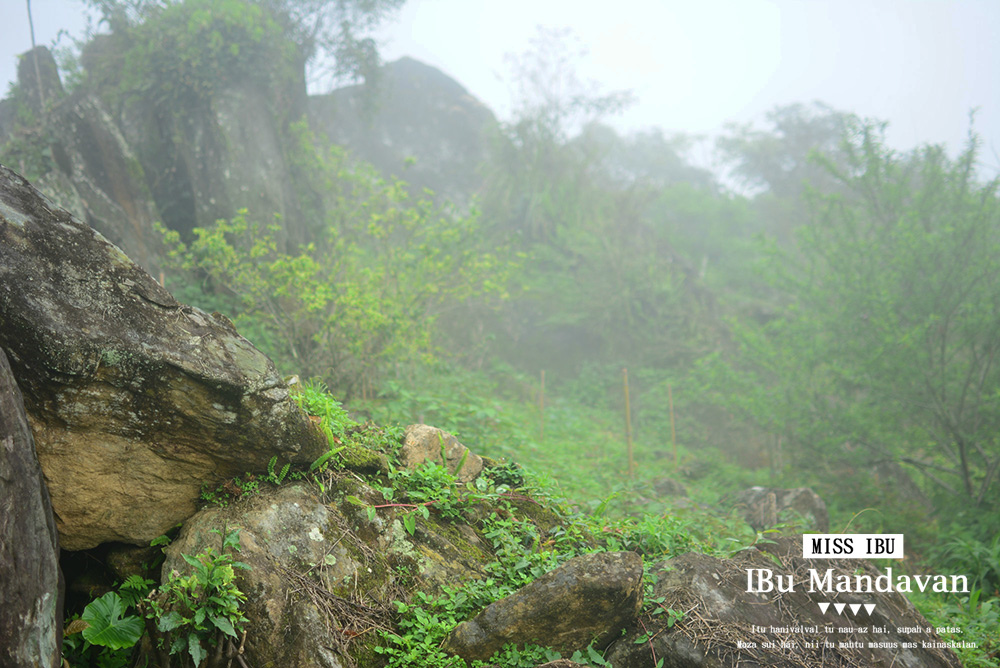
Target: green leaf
[
  {"x": 107, "y": 627},
  {"x": 224, "y": 625},
  {"x": 197, "y": 652},
  {"x": 192, "y": 560},
  {"x": 170, "y": 621}
]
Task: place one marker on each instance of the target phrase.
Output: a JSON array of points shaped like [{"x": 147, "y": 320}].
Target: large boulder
[
  {"x": 30, "y": 619},
  {"x": 589, "y": 599},
  {"x": 220, "y": 155},
  {"x": 92, "y": 172},
  {"x": 324, "y": 575},
  {"x": 723, "y": 625},
  {"x": 414, "y": 112},
  {"x": 135, "y": 400}
]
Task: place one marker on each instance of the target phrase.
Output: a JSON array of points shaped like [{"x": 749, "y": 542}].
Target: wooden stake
[
  {"x": 628, "y": 425},
  {"x": 541, "y": 411},
  {"x": 673, "y": 430},
  {"x": 34, "y": 57}
]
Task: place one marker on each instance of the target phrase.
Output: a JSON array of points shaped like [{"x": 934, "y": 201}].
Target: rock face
[
  {"x": 425, "y": 443},
  {"x": 321, "y": 577},
  {"x": 590, "y": 598},
  {"x": 135, "y": 399},
  {"x": 416, "y": 111},
  {"x": 722, "y": 623},
  {"x": 220, "y": 156},
  {"x": 31, "y": 618},
  {"x": 93, "y": 172},
  {"x": 763, "y": 507}
]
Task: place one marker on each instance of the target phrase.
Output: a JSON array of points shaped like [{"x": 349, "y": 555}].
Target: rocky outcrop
[
  {"x": 218, "y": 156},
  {"x": 100, "y": 180},
  {"x": 135, "y": 399},
  {"x": 322, "y": 575},
  {"x": 722, "y": 625},
  {"x": 31, "y": 617},
  {"x": 93, "y": 172},
  {"x": 416, "y": 112},
  {"x": 764, "y": 507},
  {"x": 588, "y": 600},
  {"x": 424, "y": 443}
]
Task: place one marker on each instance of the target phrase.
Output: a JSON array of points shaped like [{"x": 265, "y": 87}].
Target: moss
[
  {"x": 111, "y": 357},
  {"x": 453, "y": 535},
  {"x": 363, "y": 460},
  {"x": 544, "y": 517},
  {"x": 365, "y": 656}
]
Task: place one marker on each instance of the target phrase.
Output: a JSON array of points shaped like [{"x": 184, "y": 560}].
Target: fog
[
  {"x": 720, "y": 269},
  {"x": 695, "y": 66}
]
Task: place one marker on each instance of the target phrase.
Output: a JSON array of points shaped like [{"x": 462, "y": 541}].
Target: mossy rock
[{"x": 364, "y": 461}]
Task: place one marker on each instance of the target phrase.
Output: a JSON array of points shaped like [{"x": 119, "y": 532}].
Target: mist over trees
[{"x": 819, "y": 310}]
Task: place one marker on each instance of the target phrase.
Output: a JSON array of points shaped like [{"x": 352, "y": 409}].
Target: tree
[
  {"x": 364, "y": 298},
  {"x": 887, "y": 348},
  {"x": 329, "y": 34},
  {"x": 780, "y": 160}
]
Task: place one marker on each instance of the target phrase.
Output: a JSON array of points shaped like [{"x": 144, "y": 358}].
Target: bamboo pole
[
  {"x": 34, "y": 57},
  {"x": 541, "y": 411},
  {"x": 628, "y": 425},
  {"x": 673, "y": 430}
]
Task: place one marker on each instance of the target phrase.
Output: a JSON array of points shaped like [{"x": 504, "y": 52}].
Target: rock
[
  {"x": 665, "y": 486},
  {"x": 135, "y": 400},
  {"x": 99, "y": 179},
  {"x": 292, "y": 543},
  {"x": 589, "y": 599},
  {"x": 322, "y": 576},
  {"x": 763, "y": 507},
  {"x": 722, "y": 622},
  {"x": 31, "y": 616},
  {"x": 415, "y": 111},
  {"x": 127, "y": 560},
  {"x": 211, "y": 157},
  {"x": 92, "y": 173},
  {"x": 425, "y": 443},
  {"x": 38, "y": 77}
]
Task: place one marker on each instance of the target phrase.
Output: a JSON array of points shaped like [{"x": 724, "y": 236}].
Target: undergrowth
[{"x": 627, "y": 515}]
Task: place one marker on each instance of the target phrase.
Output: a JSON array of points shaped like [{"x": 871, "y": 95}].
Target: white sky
[{"x": 696, "y": 64}]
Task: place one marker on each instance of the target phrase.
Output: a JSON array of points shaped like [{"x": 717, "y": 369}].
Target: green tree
[
  {"x": 779, "y": 159},
  {"x": 365, "y": 297},
  {"x": 330, "y": 34},
  {"x": 887, "y": 347},
  {"x": 600, "y": 217}
]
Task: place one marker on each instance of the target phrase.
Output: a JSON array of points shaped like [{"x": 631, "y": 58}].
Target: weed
[
  {"x": 972, "y": 619},
  {"x": 185, "y": 617},
  {"x": 276, "y": 478}
]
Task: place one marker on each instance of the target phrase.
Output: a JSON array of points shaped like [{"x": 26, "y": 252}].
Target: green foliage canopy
[
  {"x": 887, "y": 347},
  {"x": 366, "y": 295}
]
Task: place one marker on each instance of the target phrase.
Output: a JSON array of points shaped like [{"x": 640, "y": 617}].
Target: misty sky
[{"x": 693, "y": 66}]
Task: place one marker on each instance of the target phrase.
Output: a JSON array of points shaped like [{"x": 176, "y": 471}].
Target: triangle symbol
[
  {"x": 839, "y": 607},
  {"x": 870, "y": 607},
  {"x": 823, "y": 607},
  {"x": 855, "y": 607}
]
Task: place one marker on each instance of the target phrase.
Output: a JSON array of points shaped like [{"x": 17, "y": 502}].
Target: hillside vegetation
[{"x": 823, "y": 311}]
